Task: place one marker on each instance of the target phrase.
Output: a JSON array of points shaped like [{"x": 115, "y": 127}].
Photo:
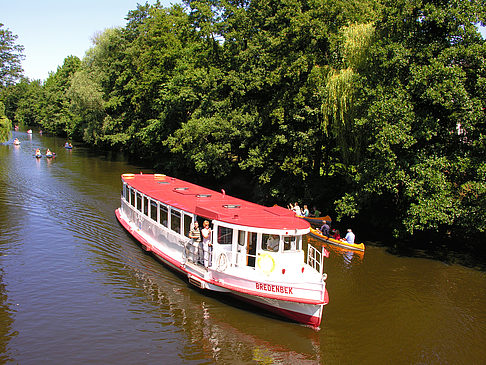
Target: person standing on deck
[
  {"x": 206, "y": 242},
  {"x": 195, "y": 235}
]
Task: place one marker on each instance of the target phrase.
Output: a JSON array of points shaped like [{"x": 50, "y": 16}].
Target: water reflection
[{"x": 226, "y": 331}]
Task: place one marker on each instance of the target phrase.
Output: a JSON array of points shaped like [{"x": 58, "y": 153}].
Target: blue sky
[{"x": 51, "y": 30}]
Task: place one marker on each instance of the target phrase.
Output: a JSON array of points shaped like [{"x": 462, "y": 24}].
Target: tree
[
  {"x": 10, "y": 58},
  {"x": 422, "y": 161},
  {"x": 5, "y": 125}
]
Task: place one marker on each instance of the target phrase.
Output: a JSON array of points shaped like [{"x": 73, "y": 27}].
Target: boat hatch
[
  {"x": 203, "y": 195},
  {"x": 232, "y": 206}
]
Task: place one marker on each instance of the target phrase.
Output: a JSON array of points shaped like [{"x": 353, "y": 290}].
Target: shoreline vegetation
[{"x": 373, "y": 113}]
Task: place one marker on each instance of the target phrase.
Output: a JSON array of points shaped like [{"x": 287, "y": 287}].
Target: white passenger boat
[{"x": 160, "y": 211}]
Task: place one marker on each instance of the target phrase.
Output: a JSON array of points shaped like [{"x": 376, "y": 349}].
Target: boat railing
[{"x": 315, "y": 258}]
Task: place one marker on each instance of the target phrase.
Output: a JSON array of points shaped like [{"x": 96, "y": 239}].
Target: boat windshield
[{"x": 292, "y": 243}]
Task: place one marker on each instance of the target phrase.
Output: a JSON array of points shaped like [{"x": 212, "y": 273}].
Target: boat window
[
  {"x": 132, "y": 197},
  {"x": 290, "y": 243},
  {"x": 241, "y": 238},
  {"x": 139, "y": 201},
  {"x": 163, "y": 215},
  {"x": 145, "y": 205},
  {"x": 270, "y": 242},
  {"x": 187, "y": 224},
  {"x": 175, "y": 220},
  {"x": 125, "y": 188},
  {"x": 251, "y": 248},
  {"x": 225, "y": 235},
  {"x": 153, "y": 210}
]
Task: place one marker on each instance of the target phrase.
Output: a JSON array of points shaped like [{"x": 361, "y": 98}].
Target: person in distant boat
[
  {"x": 48, "y": 152},
  {"x": 296, "y": 209},
  {"x": 305, "y": 211},
  {"x": 206, "y": 243},
  {"x": 349, "y": 238},
  {"x": 336, "y": 234},
  {"x": 195, "y": 235},
  {"x": 16, "y": 141},
  {"x": 272, "y": 243},
  {"x": 325, "y": 229},
  {"x": 37, "y": 152}
]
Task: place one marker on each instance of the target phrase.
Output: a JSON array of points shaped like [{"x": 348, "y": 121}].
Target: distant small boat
[
  {"x": 29, "y": 131},
  {"x": 38, "y": 156},
  {"x": 351, "y": 246},
  {"x": 16, "y": 142},
  {"x": 68, "y": 146},
  {"x": 50, "y": 155}
]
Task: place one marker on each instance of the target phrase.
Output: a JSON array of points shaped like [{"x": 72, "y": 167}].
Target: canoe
[
  {"x": 316, "y": 220},
  {"x": 38, "y": 156},
  {"x": 351, "y": 246}
]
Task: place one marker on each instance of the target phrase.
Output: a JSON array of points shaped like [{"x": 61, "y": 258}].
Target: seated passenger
[
  {"x": 325, "y": 229},
  {"x": 272, "y": 243},
  {"x": 349, "y": 237},
  {"x": 335, "y": 234}
]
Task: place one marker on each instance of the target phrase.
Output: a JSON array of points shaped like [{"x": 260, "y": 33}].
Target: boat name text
[{"x": 274, "y": 288}]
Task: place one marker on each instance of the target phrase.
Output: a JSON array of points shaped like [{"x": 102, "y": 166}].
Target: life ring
[
  {"x": 222, "y": 262},
  {"x": 266, "y": 263}
]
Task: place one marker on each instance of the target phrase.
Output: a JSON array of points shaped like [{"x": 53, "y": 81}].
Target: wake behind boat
[{"x": 255, "y": 252}]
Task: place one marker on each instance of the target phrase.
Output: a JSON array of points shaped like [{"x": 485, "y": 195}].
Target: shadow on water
[{"x": 451, "y": 253}]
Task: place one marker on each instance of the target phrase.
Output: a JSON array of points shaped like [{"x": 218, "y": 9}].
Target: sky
[{"x": 51, "y": 30}]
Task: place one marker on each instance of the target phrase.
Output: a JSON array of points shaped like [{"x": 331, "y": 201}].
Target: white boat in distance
[{"x": 160, "y": 211}]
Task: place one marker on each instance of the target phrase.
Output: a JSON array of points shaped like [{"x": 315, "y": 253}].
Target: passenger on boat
[
  {"x": 48, "y": 152},
  {"x": 195, "y": 235},
  {"x": 206, "y": 243},
  {"x": 317, "y": 213},
  {"x": 37, "y": 152},
  {"x": 305, "y": 211},
  {"x": 272, "y": 243},
  {"x": 325, "y": 229},
  {"x": 349, "y": 237},
  {"x": 335, "y": 234}
]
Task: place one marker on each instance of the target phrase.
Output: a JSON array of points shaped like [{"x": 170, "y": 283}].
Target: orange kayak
[{"x": 351, "y": 246}]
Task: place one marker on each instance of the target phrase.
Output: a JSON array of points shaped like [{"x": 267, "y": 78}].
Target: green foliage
[
  {"x": 375, "y": 110},
  {"x": 5, "y": 125},
  {"x": 10, "y": 58}
]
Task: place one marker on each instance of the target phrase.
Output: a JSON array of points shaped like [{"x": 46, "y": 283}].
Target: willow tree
[{"x": 422, "y": 158}]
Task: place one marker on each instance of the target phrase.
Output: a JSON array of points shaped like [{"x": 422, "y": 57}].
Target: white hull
[{"x": 301, "y": 302}]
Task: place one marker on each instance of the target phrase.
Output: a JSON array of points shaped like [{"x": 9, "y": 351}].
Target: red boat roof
[{"x": 214, "y": 205}]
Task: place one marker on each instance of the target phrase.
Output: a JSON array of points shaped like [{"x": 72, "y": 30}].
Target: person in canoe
[
  {"x": 38, "y": 153},
  {"x": 68, "y": 145},
  {"x": 336, "y": 234},
  {"x": 350, "y": 237},
  {"x": 305, "y": 211},
  {"x": 16, "y": 141},
  {"x": 325, "y": 228},
  {"x": 49, "y": 153}
]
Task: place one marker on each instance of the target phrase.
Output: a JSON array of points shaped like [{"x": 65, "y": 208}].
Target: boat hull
[
  {"x": 355, "y": 247},
  {"x": 308, "y": 312}
]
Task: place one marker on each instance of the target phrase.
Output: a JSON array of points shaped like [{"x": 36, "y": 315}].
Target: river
[{"x": 75, "y": 288}]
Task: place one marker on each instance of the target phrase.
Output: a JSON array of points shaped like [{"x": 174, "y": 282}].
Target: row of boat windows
[{"x": 181, "y": 222}]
